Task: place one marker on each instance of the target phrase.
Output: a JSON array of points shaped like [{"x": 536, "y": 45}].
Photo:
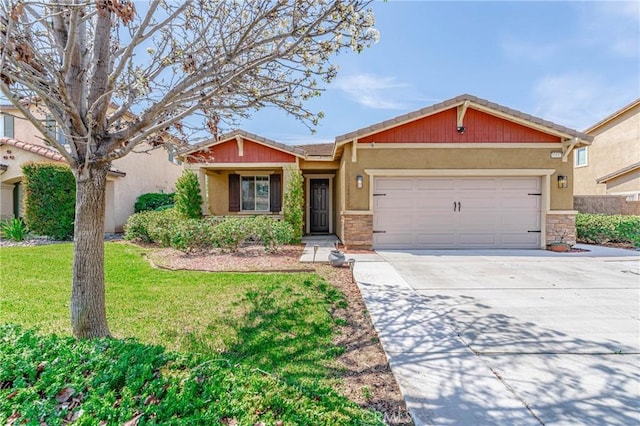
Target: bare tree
[{"x": 114, "y": 78}]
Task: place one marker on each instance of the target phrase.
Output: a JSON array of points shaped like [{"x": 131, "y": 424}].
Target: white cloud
[
  {"x": 578, "y": 100},
  {"x": 373, "y": 91}
]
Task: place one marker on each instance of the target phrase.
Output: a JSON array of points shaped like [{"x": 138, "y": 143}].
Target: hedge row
[
  {"x": 50, "y": 199},
  {"x": 168, "y": 228},
  {"x": 599, "y": 229},
  {"x": 153, "y": 201}
]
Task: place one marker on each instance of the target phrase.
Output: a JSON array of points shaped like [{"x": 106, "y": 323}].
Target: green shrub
[
  {"x": 231, "y": 232},
  {"x": 50, "y": 197},
  {"x": 152, "y": 226},
  {"x": 14, "y": 229},
  {"x": 294, "y": 203},
  {"x": 599, "y": 229},
  {"x": 188, "y": 200},
  {"x": 153, "y": 201},
  {"x": 193, "y": 234},
  {"x": 169, "y": 229},
  {"x": 272, "y": 233}
]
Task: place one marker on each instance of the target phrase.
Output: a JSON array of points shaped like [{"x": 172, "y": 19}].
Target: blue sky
[{"x": 572, "y": 63}]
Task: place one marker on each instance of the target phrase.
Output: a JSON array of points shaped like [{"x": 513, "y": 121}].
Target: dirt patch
[
  {"x": 247, "y": 259},
  {"x": 367, "y": 377}
]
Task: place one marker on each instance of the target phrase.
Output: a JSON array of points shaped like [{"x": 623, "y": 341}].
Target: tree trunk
[{"x": 88, "y": 311}]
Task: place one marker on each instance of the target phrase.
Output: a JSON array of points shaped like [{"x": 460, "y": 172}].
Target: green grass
[{"x": 249, "y": 347}]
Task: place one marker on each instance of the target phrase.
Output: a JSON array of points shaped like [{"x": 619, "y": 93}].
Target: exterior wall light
[
  {"x": 461, "y": 129},
  {"x": 359, "y": 181},
  {"x": 563, "y": 182}
]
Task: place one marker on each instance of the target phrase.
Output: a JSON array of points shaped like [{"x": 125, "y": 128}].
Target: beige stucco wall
[
  {"x": 452, "y": 158},
  {"x": 218, "y": 193},
  {"x": 625, "y": 184},
  {"x": 145, "y": 172},
  {"x": 615, "y": 146}
]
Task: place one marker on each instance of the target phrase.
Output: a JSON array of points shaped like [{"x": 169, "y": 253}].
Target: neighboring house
[
  {"x": 133, "y": 175},
  {"x": 464, "y": 173},
  {"x": 611, "y": 165}
]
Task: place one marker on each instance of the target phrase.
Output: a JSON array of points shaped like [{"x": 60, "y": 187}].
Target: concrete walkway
[
  {"x": 525, "y": 337},
  {"x": 322, "y": 246}
]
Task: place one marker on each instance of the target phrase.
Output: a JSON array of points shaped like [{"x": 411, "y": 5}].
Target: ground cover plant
[
  {"x": 242, "y": 348},
  {"x": 602, "y": 229}
]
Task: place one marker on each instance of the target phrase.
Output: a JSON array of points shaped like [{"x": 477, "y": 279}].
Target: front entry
[{"x": 319, "y": 205}]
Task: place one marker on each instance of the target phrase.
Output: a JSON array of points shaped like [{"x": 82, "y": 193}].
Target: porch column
[
  {"x": 6, "y": 201},
  {"x": 204, "y": 190}
]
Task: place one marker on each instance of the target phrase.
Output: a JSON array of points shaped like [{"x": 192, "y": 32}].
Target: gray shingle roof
[{"x": 318, "y": 149}]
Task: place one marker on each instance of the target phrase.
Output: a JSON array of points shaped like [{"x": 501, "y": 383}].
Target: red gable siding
[
  {"x": 441, "y": 128},
  {"x": 227, "y": 152}
]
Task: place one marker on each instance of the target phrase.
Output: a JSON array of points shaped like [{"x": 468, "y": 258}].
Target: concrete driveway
[{"x": 510, "y": 337}]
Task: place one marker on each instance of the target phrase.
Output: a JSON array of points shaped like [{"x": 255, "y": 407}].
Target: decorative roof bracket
[
  {"x": 240, "y": 143},
  {"x": 567, "y": 147},
  {"x": 462, "y": 110}
]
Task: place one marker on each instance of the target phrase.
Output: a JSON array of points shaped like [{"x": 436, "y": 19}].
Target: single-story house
[
  {"x": 463, "y": 173},
  {"x": 20, "y": 142}
]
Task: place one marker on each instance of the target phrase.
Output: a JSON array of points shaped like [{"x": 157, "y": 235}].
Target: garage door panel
[
  {"x": 394, "y": 184},
  {"x": 434, "y": 221},
  {"x": 495, "y": 212},
  {"x": 517, "y": 240},
  {"x": 394, "y": 203},
  {"x": 443, "y": 240},
  {"x": 514, "y": 222},
  {"x": 393, "y": 240},
  {"x": 477, "y": 239},
  {"x": 435, "y": 184},
  {"x": 521, "y": 183},
  {"x": 430, "y": 202},
  {"x": 520, "y": 203},
  {"x": 480, "y": 184}
]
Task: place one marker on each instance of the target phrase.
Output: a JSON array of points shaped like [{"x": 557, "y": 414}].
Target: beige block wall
[
  {"x": 446, "y": 158},
  {"x": 606, "y": 204},
  {"x": 615, "y": 146}
]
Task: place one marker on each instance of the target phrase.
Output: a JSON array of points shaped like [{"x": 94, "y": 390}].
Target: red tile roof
[
  {"x": 44, "y": 152},
  {"x": 36, "y": 149}
]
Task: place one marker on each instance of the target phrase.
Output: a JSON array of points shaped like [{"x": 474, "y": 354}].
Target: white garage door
[{"x": 456, "y": 213}]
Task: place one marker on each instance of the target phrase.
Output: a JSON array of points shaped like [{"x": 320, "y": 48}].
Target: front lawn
[{"x": 242, "y": 348}]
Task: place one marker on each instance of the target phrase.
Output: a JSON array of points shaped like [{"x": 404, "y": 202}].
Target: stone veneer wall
[
  {"x": 357, "y": 231},
  {"x": 559, "y": 224}
]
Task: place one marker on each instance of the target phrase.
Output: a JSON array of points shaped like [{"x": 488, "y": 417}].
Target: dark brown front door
[{"x": 319, "y": 205}]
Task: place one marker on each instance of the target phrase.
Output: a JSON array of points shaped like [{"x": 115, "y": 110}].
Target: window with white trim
[
  {"x": 6, "y": 126},
  {"x": 54, "y": 130},
  {"x": 580, "y": 155},
  {"x": 255, "y": 193}
]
